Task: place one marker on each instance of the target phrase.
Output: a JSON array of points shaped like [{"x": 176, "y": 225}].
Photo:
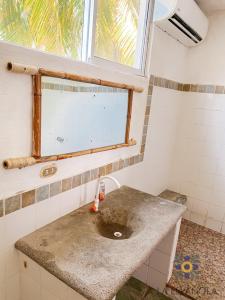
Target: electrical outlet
[{"x": 48, "y": 171}]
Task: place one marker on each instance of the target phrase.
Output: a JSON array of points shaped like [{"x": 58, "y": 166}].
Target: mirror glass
[{"x": 77, "y": 116}]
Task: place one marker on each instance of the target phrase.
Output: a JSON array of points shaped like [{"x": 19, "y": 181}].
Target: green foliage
[
  {"x": 116, "y": 32},
  {"x": 56, "y": 26},
  {"x": 51, "y": 25}
]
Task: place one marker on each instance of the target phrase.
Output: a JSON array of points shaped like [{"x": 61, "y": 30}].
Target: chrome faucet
[{"x": 99, "y": 196}]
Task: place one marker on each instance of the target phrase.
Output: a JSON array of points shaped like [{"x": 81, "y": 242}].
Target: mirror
[{"x": 71, "y": 116}]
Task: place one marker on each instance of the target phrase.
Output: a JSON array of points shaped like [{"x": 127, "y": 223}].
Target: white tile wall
[
  {"x": 164, "y": 120},
  {"x": 22, "y": 222},
  {"x": 157, "y": 269},
  {"x": 198, "y": 162}
]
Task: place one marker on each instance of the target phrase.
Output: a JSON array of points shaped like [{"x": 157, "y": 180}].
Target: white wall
[
  {"x": 206, "y": 62},
  {"x": 168, "y": 57},
  {"x": 164, "y": 116},
  {"x": 199, "y": 164}
]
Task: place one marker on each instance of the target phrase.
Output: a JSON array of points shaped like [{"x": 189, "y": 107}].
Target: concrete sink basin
[
  {"x": 117, "y": 224},
  {"x": 96, "y": 253}
]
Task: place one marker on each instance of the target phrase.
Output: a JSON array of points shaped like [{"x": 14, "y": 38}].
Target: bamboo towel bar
[
  {"x": 19, "y": 162},
  {"x": 32, "y": 70},
  {"x": 18, "y": 68},
  {"x": 22, "y": 162}
]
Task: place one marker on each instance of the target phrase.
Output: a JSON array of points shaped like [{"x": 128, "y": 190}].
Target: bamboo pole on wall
[
  {"x": 36, "y": 154},
  {"x": 18, "y": 68},
  {"x": 36, "y": 151},
  {"x": 90, "y": 80},
  {"x": 22, "y": 162},
  {"x": 129, "y": 113},
  {"x": 32, "y": 70}
]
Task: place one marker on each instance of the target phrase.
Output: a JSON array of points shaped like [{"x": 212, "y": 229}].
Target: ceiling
[{"x": 210, "y": 6}]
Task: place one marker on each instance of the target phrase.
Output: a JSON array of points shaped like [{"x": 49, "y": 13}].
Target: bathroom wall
[
  {"x": 169, "y": 57},
  {"x": 16, "y": 117},
  {"x": 164, "y": 115},
  {"x": 198, "y": 159},
  {"x": 20, "y": 216}
]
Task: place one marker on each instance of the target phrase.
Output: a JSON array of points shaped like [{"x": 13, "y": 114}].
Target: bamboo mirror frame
[
  {"x": 37, "y": 96},
  {"x": 37, "y": 73}
]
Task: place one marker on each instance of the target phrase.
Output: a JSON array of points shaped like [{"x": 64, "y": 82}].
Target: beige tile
[
  {"x": 67, "y": 184},
  {"x": 186, "y": 87},
  {"x": 194, "y": 88},
  {"x": 167, "y": 83},
  {"x": 94, "y": 174},
  {"x": 121, "y": 164},
  {"x": 149, "y": 99},
  {"x": 28, "y": 198},
  {"x": 141, "y": 157},
  {"x": 210, "y": 89},
  {"x": 108, "y": 169},
  {"x": 150, "y": 89},
  {"x": 143, "y": 141},
  {"x": 219, "y": 89},
  {"x": 180, "y": 86},
  {"x": 145, "y": 129},
  {"x": 115, "y": 166},
  {"x": 42, "y": 193},
  {"x": 170, "y": 84},
  {"x": 146, "y": 120},
  {"x": 147, "y": 110},
  {"x": 86, "y": 177},
  {"x": 126, "y": 162},
  {"x": 12, "y": 204},
  {"x": 136, "y": 159},
  {"x": 131, "y": 160},
  {"x": 151, "y": 81},
  {"x": 1, "y": 208},
  {"x": 55, "y": 188},
  {"x": 76, "y": 181},
  {"x": 142, "y": 148},
  {"x": 102, "y": 171}
]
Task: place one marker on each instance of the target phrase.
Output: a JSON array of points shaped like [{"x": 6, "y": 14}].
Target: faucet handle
[
  {"x": 101, "y": 195},
  {"x": 94, "y": 207}
]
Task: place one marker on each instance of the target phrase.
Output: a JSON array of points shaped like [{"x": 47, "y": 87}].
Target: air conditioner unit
[{"x": 182, "y": 19}]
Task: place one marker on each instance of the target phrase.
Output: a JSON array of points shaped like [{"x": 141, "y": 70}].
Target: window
[
  {"x": 88, "y": 30},
  {"x": 52, "y": 26},
  {"x": 117, "y": 30}
]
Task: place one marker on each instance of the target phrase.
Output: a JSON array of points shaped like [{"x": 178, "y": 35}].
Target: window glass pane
[
  {"x": 51, "y": 25},
  {"x": 117, "y": 30}
]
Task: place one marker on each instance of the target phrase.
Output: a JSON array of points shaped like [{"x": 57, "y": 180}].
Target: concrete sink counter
[{"x": 81, "y": 250}]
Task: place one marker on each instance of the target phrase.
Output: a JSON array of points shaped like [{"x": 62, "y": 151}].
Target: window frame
[
  {"x": 88, "y": 41},
  {"x": 146, "y": 10}
]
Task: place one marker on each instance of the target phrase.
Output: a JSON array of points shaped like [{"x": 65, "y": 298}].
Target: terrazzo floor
[{"x": 199, "y": 270}]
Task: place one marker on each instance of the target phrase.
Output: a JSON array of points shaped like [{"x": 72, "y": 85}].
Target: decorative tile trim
[
  {"x": 81, "y": 89},
  {"x": 44, "y": 192},
  {"x": 1, "y": 208},
  {"x": 185, "y": 87}
]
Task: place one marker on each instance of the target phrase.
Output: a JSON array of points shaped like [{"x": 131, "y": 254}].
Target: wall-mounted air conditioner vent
[{"x": 182, "y": 19}]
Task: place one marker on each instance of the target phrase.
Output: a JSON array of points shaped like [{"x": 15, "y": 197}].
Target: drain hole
[{"x": 117, "y": 234}]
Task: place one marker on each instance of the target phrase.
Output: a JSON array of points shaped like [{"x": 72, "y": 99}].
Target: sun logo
[{"x": 187, "y": 267}]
